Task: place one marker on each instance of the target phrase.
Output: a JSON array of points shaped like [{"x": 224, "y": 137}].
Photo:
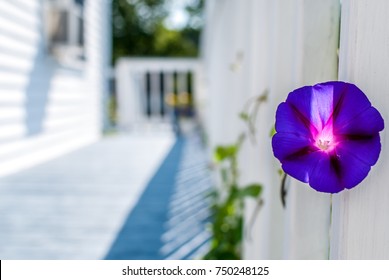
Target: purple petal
[
  {"x": 300, "y": 166},
  {"x": 326, "y": 176},
  {"x": 366, "y": 149},
  {"x": 288, "y": 119},
  {"x": 349, "y": 101},
  {"x": 288, "y": 145},
  {"x": 338, "y": 114},
  {"x": 322, "y": 104},
  {"x": 368, "y": 122},
  {"x": 301, "y": 101},
  {"x": 314, "y": 103},
  {"x": 354, "y": 170}
]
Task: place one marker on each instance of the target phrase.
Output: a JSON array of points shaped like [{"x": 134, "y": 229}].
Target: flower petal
[
  {"x": 301, "y": 101},
  {"x": 326, "y": 175},
  {"x": 300, "y": 166},
  {"x": 288, "y": 145},
  {"x": 353, "y": 169},
  {"x": 335, "y": 113},
  {"x": 322, "y": 104},
  {"x": 366, "y": 149},
  {"x": 290, "y": 120},
  {"x": 349, "y": 101},
  {"x": 368, "y": 122}
]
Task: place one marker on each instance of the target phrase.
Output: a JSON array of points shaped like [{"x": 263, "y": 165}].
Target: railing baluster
[
  {"x": 162, "y": 94},
  {"x": 148, "y": 94},
  {"x": 189, "y": 79},
  {"x": 151, "y": 83}
]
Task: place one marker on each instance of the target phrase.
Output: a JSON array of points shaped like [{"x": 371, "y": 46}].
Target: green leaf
[
  {"x": 223, "y": 152},
  {"x": 272, "y": 131},
  {"x": 244, "y": 116},
  {"x": 253, "y": 190}
]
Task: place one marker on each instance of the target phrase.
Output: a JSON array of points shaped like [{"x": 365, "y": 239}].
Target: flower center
[
  {"x": 323, "y": 144},
  {"x": 326, "y": 140}
]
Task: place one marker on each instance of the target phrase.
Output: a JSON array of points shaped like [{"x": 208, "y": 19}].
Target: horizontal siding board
[
  {"x": 37, "y": 91},
  {"x": 19, "y": 38},
  {"x": 19, "y": 29},
  {"x": 18, "y": 115},
  {"x": 15, "y": 62},
  {"x": 11, "y": 112},
  {"x": 20, "y": 13},
  {"x": 10, "y": 98},
  {"x": 6, "y": 49}
]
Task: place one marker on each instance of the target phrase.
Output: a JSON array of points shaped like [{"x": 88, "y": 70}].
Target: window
[{"x": 64, "y": 29}]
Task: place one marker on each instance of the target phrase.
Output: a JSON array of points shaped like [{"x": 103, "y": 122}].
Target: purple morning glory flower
[{"x": 327, "y": 135}]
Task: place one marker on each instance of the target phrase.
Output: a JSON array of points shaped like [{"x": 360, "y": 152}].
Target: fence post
[
  {"x": 263, "y": 224},
  {"x": 315, "y": 60},
  {"x": 130, "y": 109},
  {"x": 360, "y": 224}
]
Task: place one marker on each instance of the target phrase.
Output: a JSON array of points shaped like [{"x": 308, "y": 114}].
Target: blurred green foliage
[
  {"x": 228, "y": 206},
  {"x": 138, "y": 29},
  {"x": 228, "y": 200}
]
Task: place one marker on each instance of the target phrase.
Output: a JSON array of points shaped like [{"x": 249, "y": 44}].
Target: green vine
[{"x": 228, "y": 201}]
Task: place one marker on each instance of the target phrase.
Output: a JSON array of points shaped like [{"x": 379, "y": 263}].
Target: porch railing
[{"x": 147, "y": 87}]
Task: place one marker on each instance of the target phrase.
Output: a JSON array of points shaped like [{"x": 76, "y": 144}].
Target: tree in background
[{"x": 138, "y": 29}]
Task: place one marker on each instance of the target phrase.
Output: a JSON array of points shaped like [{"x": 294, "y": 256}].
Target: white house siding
[{"x": 47, "y": 109}]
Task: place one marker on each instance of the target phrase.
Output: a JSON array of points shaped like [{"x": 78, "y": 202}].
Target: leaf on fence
[
  {"x": 224, "y": 152},
  {"x": 252, "y": 190}
]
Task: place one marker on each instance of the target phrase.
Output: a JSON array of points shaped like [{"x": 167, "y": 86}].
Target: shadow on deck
[
  {"x": 169, "y": 219},
  {"x": 99, "y": 202}
]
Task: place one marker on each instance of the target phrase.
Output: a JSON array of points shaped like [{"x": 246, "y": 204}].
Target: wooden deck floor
[
  {"x": 126, "y": 197},
  {"x": 72, "y": 207}
]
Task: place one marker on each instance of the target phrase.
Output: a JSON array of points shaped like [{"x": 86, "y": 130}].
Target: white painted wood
[
  {"x": 315, "y": 60},
  {"x": 47, "y": 109},
  {"x": 129, "y": 104},
  {"x": 168, "y": 77},
  {"x": 155, "y": 95},
  {"x": 264, "y": 238},
  {"x": 360, "y": 224},
  {"x": 223, "y": 59},
  {"x": 250, "y": 47},
  {"x": 237, "y": 64},
  {"x": 131, "y": 86},
  {"x": 161, "y": 64}
]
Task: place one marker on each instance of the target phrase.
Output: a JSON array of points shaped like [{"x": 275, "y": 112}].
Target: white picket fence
[{"x": 255, "y": 45}]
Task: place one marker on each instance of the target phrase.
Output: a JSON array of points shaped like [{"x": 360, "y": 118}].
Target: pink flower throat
[{"x": 325, "y": 140}]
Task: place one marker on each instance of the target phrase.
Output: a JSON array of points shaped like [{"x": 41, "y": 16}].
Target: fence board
[
  {"x": 316, "y": 42},
  {"x": 263, "y": 237},
  {"x": 360, "y": 225}
]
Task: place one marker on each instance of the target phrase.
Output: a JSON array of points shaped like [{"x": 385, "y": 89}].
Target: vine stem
[
  {"x": 283, "y": 190},
  {"x": 258, "y": 206}
]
